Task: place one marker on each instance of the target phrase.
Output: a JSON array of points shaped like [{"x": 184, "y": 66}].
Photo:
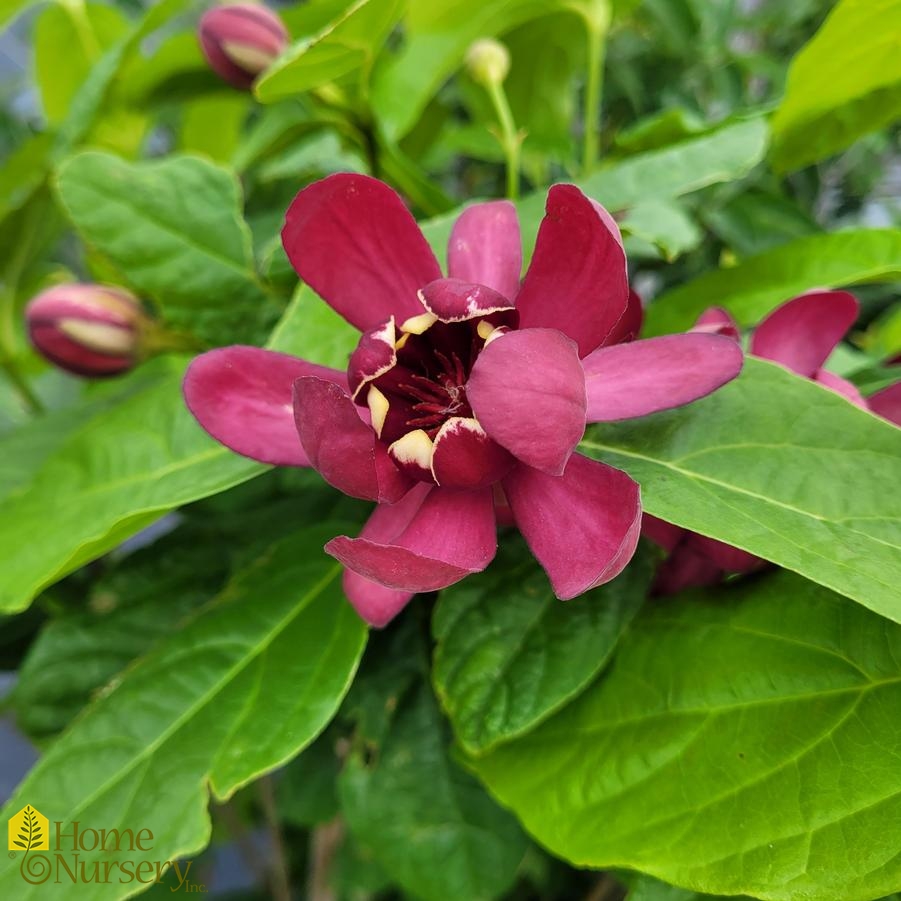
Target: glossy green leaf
[
  {"x": 665, "y": 224},
  {"x": 776, "y": 465},
  {"x": 174, "y": 229},
  {"x": 347, "y": 43},
  {"x": 742, "y": 742},
  {"x": 237, "y": 692},
  {"x": 509, "y": 653},
  {"x": 69, "y": 39},
  {"x": 759, "y": 284},
  {"x": 844, "y": 83},
  {"x": 425, "y": 820}
]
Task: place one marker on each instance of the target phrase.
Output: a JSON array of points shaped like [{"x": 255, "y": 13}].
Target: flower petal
[
  {"x": 717, "y": 321},
  {"x": 577, "y": 279},
  {"x": 527, "y": 390},
  {"x": 376, "y": 604},
  {"x": 465, "y": 457},
  {"x": 802, "y": 333},
  {"x": 840, "y": 386},
  {"x": 372, "y": 357},
  {"x": 430, "y": 539},
  {"x": 582, "y": 526},
  {"x": 341, "y": 446},
  {"x": 628, "y": 380},
  {"x": 629, "y": 326},
  {"x": 685, "y": 568},
  {"x": 453, "y": 300},
  {"x": 887, "y": 403},
  {"x": 485, "y": 247},
  {"x": 242, "y": 397},
  {"x": 664, "y": 534},
  {"x": 351, "y": 239},
  {"x": 728, "y": 558}
]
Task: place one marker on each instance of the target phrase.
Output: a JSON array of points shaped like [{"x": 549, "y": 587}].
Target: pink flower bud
[
  {"x": 240, "y": 40},
  {"x": 90, "y": 330}
]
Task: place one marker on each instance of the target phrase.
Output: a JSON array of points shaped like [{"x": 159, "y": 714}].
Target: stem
[
  {"x": 324, "y": 842},
  {"x": 20, "y": 383},
  {"x": 593, "y": 89},
  {"x": 279, "y": 883},
  {"x": 510, "y": 139}
]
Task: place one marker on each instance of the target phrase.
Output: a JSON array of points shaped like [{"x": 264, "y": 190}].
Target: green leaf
[
  {"x": 345, "y": 44},
  {"x": 844, "y": 83},
  {"x": 803, "y": 481},
  {"x": 438, "y": 34},
  {"x": 665, "y": 224},
  {"x": 426, "y": 821},
  {"x": 129, "y": 608},
  {"x": 69, "y": 39},
  {"x": 509, "y": 653},
  {"x": 117, "y": 470},
  {"x": 9, "y": 9},
  {"x": 174, "y": 229},
  {"x": 236, "y": 693},
  {"x": 742, "y": 742},
  {"x": 307, "y": 791},
  {"x": 211, "y": 126},
  {"x": 758, "y": 285}
]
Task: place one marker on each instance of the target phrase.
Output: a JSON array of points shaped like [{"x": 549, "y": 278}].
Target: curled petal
[
  {"x": 802, "y": 333},
  {"x": 628, "y": 380},
  {"x": 717, "y": 321},
  {"x": 342, "y": 448},
  {"x": 887, "y": 403},
  {"x": 527, "y": 390},
  {"x": 430, "y": 539},
  {"x": 582, "y": 526},
  {"x": 376, "y": 604},
  {"x": 412, "y": 455},
  {"x": 372, "y": 357},
  {"x": 840, "y": 386},
  {"x": 351, "y": 239},
  {"x": 242, "y": 397},
  {"x": 577, "y": 280},
  {"x": 629, "y": 326},
  {"x": 465, "y": 457},
  {"x": 485, "y": 247},
  {"x": 453, "y": 300}
]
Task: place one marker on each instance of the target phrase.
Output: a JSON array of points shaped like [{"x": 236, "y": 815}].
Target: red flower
[
  {"x": 467, "y": 395},
  {"x": 801, "y": 335}
]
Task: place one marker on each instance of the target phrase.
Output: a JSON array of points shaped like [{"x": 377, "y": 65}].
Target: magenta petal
[
  {"x": 724, "y": 556},
  {"x": 629, "y": 326},
  {"x": 577, "y": 280},
  {"x": 485, "y": 247},
  {"x": 887, "y": 403},
  {"x": 527, "y": 390},
  {"x": 372, "y": 357},
  {"x": 342, "y": 447},
  {"x": 376, "y": 604},
  {"x": 465, "y": 457},
  {"x": 453, "y": 300},
  {"x": 242, "y": 397},
  {"x": 716, "y": 321},
  {"x": 662, "y": 533},
  {"x": 686, "y": 568},
  {"x": 840, "y": 386},
  {"x": 351, "y": 239},
  {"x": 449, "y": 535},
  {"x": 628, "y": 380},
  {"x": 582, "y": 526},
  {"x": 802, "y": 333}
]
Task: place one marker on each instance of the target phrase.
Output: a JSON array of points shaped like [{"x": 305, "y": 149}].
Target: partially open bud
[
  {"x": 90, "y": 330},
  {"x": 241, "y": 40},
  {"x": 488, "y": 61}
]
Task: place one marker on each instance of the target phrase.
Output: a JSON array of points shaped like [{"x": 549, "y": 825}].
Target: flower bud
[
  {"x": 488, "y": 61},
  {"x": 241, "y": 40},
  {"x": 90, "y": 330}
]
